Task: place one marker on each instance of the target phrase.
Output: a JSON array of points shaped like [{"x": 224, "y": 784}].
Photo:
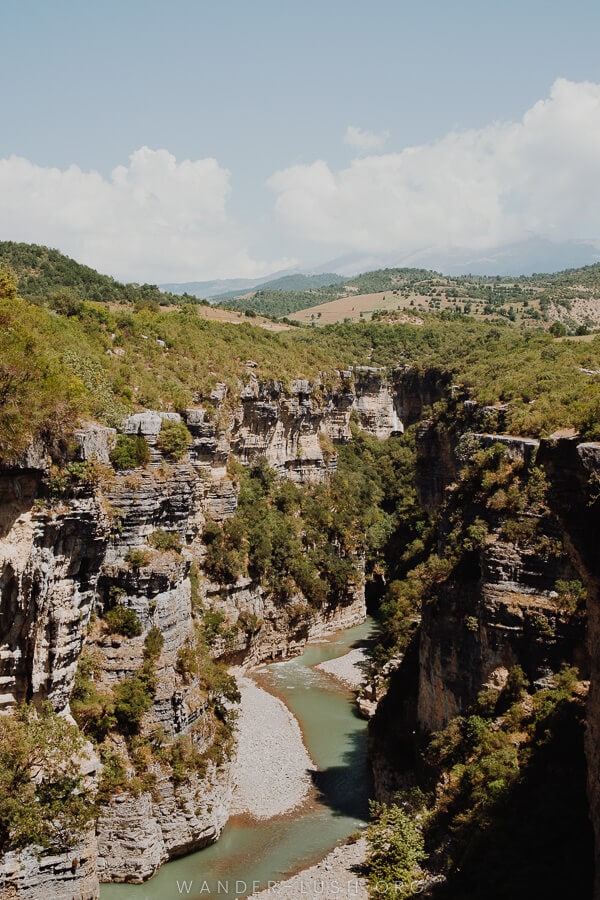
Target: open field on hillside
[
  {"x": 352, "y": 307},
  {"x": 220, "y": 314},
  {"x": 529, "y": 310}
]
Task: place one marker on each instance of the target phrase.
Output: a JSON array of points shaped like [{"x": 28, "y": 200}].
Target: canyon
[{"x": 69, "y": 553}]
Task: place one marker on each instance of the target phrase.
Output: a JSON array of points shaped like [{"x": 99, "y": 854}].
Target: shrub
[
  {"x": 123, "y": 620},
  {"x": 153, "y": 644},
  {"x": 571, "y": 596},
  {"x": 173, "y": 439},
  {"x": 133, "y": 698},
  {"x": 165, "y": 540},
  {"x": 396, "y": 849},
  {"x": 93, "y": 710},
  {"x": 130, "y": 452},
  {"x": 137, "y": 559}
]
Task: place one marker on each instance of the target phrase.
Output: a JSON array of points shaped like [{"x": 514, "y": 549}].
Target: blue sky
[{"x": 273, "y": 87}]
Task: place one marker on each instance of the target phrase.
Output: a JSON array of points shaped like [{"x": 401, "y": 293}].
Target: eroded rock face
[
  {"x": 50, "y": 563},
  {"x": 574, "y": 471},
  {"x": 497, "y": 609},
  {"x": 35, "y": 875},
  {"x": 137, "y": 834},
  {"x": 64, "y": 552},
  {"x": 266, "y": 630}
]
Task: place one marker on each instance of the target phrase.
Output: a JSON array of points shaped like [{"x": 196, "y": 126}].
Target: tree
[
  {"x": 557, "y": 329},
  {"x": 43, "y": 798},
  {"x": 396, "y": 849},
  {"x": 8, "y": 287}
]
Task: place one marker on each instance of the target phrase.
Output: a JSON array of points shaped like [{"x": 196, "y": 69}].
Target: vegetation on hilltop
[
  {"x": 48, "y": 277},
  {"x": 570, "y": 298},
  {"x": 277, "y": 301},
  {"x": 289, "y": 283},
  {"x": 60, "y": 365}
]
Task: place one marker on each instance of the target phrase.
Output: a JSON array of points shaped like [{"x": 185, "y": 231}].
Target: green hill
[
  {"x": 60, "y": 362},
  {"x": 278, "y": 301},
  {"x": 42, "y": 273},
  {"x": 298, "y": 283}
]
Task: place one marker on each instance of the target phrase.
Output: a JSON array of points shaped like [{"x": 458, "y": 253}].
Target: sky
[{"x": 195, "y": 140}]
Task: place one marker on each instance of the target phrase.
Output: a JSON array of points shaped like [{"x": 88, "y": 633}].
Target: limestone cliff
[
  {"x": 66, "y": 545},
  {"x": 573, "y": 468},
  {"x": 495, "y": 604}
]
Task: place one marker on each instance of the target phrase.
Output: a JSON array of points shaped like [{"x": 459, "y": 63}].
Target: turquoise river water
[{"x": 250, "y": 853}]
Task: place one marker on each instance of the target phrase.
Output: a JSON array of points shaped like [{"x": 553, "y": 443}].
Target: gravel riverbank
[
  {"x": 334, "y": 878},
  {"x": 273, "y": 766},
  {"x": 349, "y": 669}
]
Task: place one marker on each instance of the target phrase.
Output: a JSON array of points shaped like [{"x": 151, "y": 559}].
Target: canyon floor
[
  {"x": 273, "y": 778},
  {"x": 273, "y": 765}
]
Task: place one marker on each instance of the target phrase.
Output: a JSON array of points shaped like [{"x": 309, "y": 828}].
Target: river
[{"x": 251, "y": 852}]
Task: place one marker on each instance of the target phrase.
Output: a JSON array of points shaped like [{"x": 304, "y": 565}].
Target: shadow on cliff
[
  {"x": 346, "y": 788},
  {"x": 17, "y": 495},
  {"x": 537, "y": 842}
]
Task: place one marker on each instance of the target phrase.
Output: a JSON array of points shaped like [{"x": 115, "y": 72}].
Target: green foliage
[
  {"x": 194, "y": 661},
  {"x": 493, "y": 816},
  {"x": 572, "y": 596},
  {"x": 137, "y": 559},
  {"x": 8, "y": 286},
  {"x": 92, "y": 709},
  {"x": 280, "y": 298},
  {"x": 165, "y": 540},
  {"x": 55, "y": 368},
  {"x": 43, "y": 798},
  {"x": 173, "y": 439},
  {"x": 396, "y": 851},
  {"x": 65, "y": 480},
  {"x": 133, "y": 698},
  {"x": 45, "y": 273},
  {"x": 557, "y": 329},
  {"x": 153, "y": 644},
  {"x": 113, "y": 778},
  {"x": 123, "y": 620},
  {"x": 130, "y": 452}
]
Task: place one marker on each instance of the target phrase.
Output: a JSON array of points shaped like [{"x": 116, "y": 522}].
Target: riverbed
[{"x": 252, "y": 853}]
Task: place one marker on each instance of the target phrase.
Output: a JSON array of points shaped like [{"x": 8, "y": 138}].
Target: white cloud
[
  {"x": 477, "y": 189},
  {"x": 155, "y": 219},
  {"x": 363, "y": 140}
]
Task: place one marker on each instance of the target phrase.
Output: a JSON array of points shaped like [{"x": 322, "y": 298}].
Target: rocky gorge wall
[
  {"x": 66, "y": 546},
  {"x": 573, "y": 468},
  {"x": 498, "y": 606}
]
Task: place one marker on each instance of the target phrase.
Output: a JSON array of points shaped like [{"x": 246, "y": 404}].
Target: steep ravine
[
  {"x": 498, "y": 605},
  {"x": 66, "y": 557},
  {"x": 68, "y": 552}
]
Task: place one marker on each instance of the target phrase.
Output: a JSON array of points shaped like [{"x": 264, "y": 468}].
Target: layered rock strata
[{"x": 65, "y": 551}]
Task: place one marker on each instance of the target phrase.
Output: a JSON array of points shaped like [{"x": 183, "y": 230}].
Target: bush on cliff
[
  {"x": 123, "y": 620},
  {"x": 173, "y": 439},
  {"x": 133, "y": 698},
  {"x": 44, "y": 800},
  {"x": 130, "y": 452}
]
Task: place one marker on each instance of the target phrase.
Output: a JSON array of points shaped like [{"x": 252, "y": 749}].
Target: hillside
[
  {"x": 100, "y": 362},
  {"x": 288, "y": 283},
  {"x": 42, "y": 272},
  {"x": 286, "y": 473},
  {"x": 570, "y": 298},
  {"x": 273, "y": 301}
]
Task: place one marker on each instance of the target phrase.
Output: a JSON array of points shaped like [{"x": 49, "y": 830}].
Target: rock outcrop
[
  {"x": 68, "y": 545},
  {"x": 573, "y": 468},
  {"x": 34, "y": 874},
  {"x": 497, "y": 608}
]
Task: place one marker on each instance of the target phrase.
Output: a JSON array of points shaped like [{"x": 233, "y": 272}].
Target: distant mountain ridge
[{"x": 234, "y": 287}]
